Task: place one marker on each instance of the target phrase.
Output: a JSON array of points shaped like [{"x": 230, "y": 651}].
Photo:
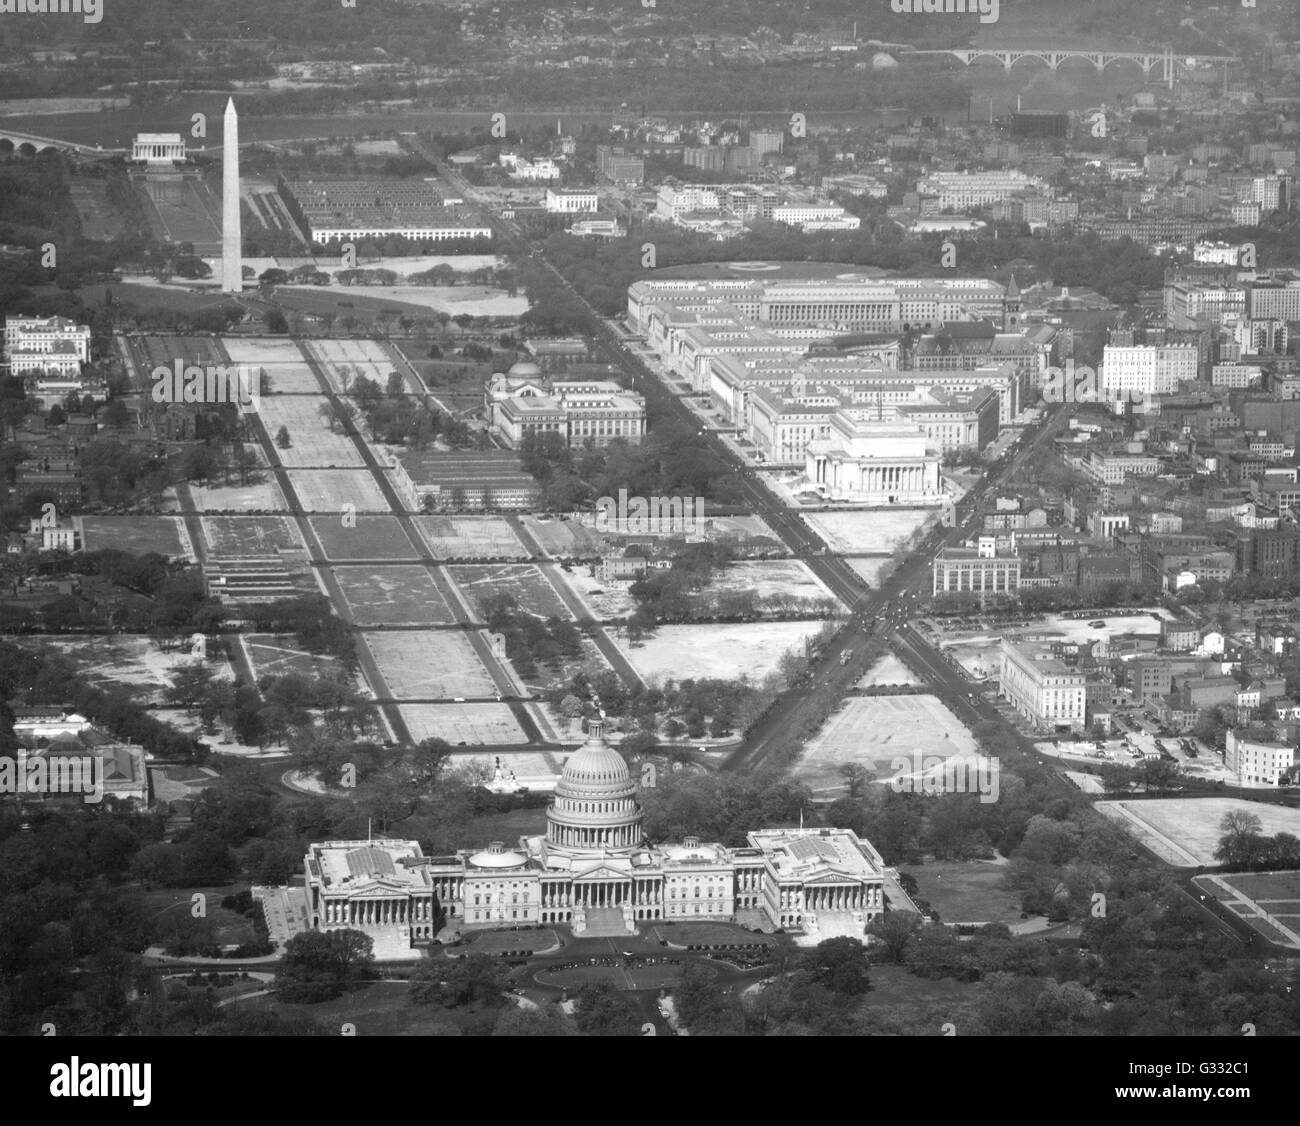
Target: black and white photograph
[{"x": 649, "y": 518}]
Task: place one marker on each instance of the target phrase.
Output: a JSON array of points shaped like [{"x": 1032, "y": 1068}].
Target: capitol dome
[
  {"x": 595, "y": 806},
  {"x": 595, "y": 769},
  {"x": 524, "y": 369}
]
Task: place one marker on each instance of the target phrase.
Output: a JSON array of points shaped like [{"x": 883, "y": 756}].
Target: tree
[
  {"x": 895, "y": 930},
  {"x": 321, "y": 965},
  {"x": 282, "y": 438},
  {"x": 1241, "y": 843},
  {"x": 856, "y": 776},
  {"x": 116, "y": 414},
  {"x": 275, "y": 321},
  {"x": 456, "y": 982},
  {"x": 548, "y": 1021},
  {"x": 606, "y": 1011},
  {"x": 842, "y": 964}
]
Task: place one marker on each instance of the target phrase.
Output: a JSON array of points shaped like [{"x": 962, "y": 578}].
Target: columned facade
[
  {"x": 594, "y": 872},
  {"x": 874, "y": 462}
]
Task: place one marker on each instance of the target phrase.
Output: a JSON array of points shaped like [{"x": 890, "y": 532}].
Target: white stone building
[
  {"x": 158, "y": 148},
  {"x": 877, "y": 463},
  {"x": 50, "y": 344},
  {"x": 595, "y": 872}
]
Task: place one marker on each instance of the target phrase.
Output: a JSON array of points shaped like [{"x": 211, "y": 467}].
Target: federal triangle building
[{"x": 595, "y": 872}]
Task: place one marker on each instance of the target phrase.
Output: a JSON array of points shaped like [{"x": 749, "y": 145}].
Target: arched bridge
[
  {"x": 39, "y": 143},
  {"x": 1054, "y": 57}
]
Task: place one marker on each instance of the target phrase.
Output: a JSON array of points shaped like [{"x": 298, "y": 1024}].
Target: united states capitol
[{"x": 595, "y": 872}]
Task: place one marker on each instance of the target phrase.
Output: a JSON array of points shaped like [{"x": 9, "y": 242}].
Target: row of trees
[{"x": 672, "y": 461}]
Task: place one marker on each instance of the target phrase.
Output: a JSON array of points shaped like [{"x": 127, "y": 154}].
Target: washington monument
[{"x": 232, "y": 275}]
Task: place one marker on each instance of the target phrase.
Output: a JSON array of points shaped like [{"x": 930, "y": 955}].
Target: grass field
[
  {"x": 313, "y": 444},
  {"x": 873, "y": 569},
  {"x": 875, "y": 730},
  {"x": 563, "y": 538},
  {"x": 966, "y": 892},
  {"x": 465, "y": 724},
  {"x": 372, "y": 537},
  {"x": 361, "y": 357},
  {"x": 273, "y": 654},
  {"x": 328, "y": 490},
  {"x": 261, "y": 494},
  {"x": 1185, "y": 831},
  {"x": 227, "y": 926},
  {"x": 730, "y": 651},
  {"x": 869, "y": 532},
  {"x": 525, "y": 581},
  {"x": 396, "y": 595},
  {"x": 190, "y": 214},
  {"x": 284, "y": 363},
  {"x": 470, "y": 537},
  {"x": 630, "y": 977},
  {"x": 790, "y": 578},
  {"x": 1268, "y": 901},
  {"x": 165, "y": 535},
  {"x": 129, "y": 659},
  {"x": 476, "y": 300},
  {"x": 434, "y": 664},
  {"x": 250, "y": 535},
  {"x": 496, "y": 942}
]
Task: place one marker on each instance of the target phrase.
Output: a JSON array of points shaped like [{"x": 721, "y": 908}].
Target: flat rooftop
[
  {"x": 805, "y": 853},
  {"x": 348, "y": 865}
]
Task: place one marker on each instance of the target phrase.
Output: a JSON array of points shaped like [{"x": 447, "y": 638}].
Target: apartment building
[
  {"x": 1143, "y": 370},
  {"x": 1257, "y": 758}
]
